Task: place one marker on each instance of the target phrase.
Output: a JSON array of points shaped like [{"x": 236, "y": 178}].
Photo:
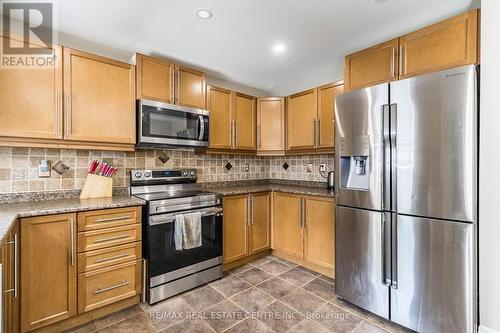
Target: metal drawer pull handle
[
  {"x": 102, "y": 240},
  {"x": 101, "y": 290},
  {"x": 111, "y": 219},
  {"x": 111, "y": 258}
]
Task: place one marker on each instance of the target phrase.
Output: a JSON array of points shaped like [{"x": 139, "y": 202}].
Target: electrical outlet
[
  {"x": 44, "y": 169},
  {"x": 309, "y": 167},
  {"x": 247, "y": 167},
  {"x": 322, "y": 167}
]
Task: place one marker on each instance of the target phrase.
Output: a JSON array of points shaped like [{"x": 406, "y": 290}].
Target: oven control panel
[{"x": 167, "y": 175}]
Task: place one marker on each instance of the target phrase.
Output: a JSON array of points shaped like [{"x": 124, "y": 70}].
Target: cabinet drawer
[
  {"x": 89, "y": 261},
  {"x": 107, "y": 218},
  {"x": 100, "y": 239},
  {"x": 108, "y": 285}
]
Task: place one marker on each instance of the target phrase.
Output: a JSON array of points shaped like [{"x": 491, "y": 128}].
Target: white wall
[{"x": 489, "y": 164}]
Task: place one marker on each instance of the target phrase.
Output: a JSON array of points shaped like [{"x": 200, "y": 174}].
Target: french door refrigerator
[{"x": 406, "y": 195}]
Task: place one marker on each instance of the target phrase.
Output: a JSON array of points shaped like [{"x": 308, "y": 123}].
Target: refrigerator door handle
[
  {"x": 386, "y": 282},
  {"x": 393, "y": 165},
  {"x": 386, "y": 186},
  {"x": 394, "y": 250}
]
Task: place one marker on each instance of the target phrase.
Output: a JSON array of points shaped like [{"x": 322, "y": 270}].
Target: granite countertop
[
  {"x": 9, "y": 212},
  {"x": 294, "y": 189}
]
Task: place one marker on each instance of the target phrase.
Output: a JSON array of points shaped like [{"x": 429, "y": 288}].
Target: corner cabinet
[
  {"x": 302, "y": 110},
  {"x": 447, "y": 44},
  {"x": 247, "y": 221},
  {"x": 271, "y": 126},
  {"x": 48, "y": 270},
  {"x": 99, "y": 99},
  {"x": 245, "y": 119}
]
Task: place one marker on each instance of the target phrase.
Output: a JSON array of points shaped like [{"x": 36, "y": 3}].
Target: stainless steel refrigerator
[{"x": 406, "y": 194}]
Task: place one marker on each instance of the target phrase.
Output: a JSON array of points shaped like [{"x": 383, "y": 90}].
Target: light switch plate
[
  {"x": 322, "y": 167},
  {"x": 309, "y": 167}
]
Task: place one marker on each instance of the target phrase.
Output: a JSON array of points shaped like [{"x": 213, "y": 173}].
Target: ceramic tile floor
[{"x": 268, "y": 295}]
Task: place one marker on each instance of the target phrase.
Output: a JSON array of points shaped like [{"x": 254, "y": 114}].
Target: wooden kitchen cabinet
[
  {"x": 48, "y": 270},
  {"x": 221, "y": 119},
  {"x": 99, "y": 99},
  {"x": 271, "y": 126},
  {"x": 259, "y": 236},
  {"x": 444, "y": 45},
  {"x": 326, "y": 113},
  {"x": 320, "y": 231},
  {"x": 190, "y": 87},
  {"x": 31, "y": 100},
  {"x": 371, "y": 66},
  {"x": 245, "y": 119},
  {"x": 155, "y": 79},
  {"x": 302, "y": 110},
  {"x": 235, "y": 227},
  {"x": 288, "y": 231},
  {"x": 10, "y": 280}
]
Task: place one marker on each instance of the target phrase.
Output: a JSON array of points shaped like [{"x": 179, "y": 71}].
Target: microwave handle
[{"x": 202, "y": 127}]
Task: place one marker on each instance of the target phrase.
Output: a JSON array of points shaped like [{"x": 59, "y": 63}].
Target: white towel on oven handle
[{"x": 188, "y": 231}]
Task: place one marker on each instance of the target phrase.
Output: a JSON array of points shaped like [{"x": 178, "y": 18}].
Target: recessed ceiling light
[
  {"x": 279, "y": 48},
  {"x": 204, "y": 14}
]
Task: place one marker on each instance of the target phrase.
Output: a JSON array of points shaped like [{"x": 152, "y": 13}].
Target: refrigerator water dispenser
[{"x": 355, "y": 163}]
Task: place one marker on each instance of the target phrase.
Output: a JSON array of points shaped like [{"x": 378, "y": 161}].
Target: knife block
[{"x": 97, "y": 187}]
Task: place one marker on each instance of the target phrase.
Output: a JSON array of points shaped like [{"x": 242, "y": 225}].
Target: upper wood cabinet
[
  {"x": 271, "y": 126},
  {"x": 259, "y": 236},
  {"x": 10, "y": 280},
  {"x": 236, "y": 216},
  {"x": 155, "y": 79},
  {"x": 31, "y": 100},
  {"x": 99, "y": 99},
  {"x": 302, "y": 111},
  {"x": 48, "y": 270},
  {"x": 288, "y": 228},
  {"x": 320, "y": 231},
  {"x": 444, "y": 45},
  {"x": 221, "y": 119},
  {"x": 190, "y": 88},
  {"x": 245, "y": 120},
  {"x": 371, "y": 66},
  {"x": 326, "y": 113}
]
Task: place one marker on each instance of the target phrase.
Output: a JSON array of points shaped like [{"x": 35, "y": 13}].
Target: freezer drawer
[
  {"x": 359, "y": 259},
  {"x": 435, "y": 276},
  {"x": 437, "y": 144}
]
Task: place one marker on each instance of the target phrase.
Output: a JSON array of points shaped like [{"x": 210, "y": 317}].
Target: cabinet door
[
  {"x": 48, "y": 270},
  {"x": 302, "y": 110},
  {"x": 155, "y": 79},
  {"x": 100, "y": 98},
  {"x": 190, "y": 88},
  {"x": 31, "y": 100},
  {"x": 221, "y": 119},
  {"x": 444, "y": 45},
  {"x": 271, "y": 126},
  {"x": 235, "y": 227},
  {"x": 326, "y": 113},
  {"x": 374, "y": 65},
  {"x": 319, "y": 226},
  {"x": 10, "y": 280},
  {"x": 244, "y": 122},
  {"x": 288, "y": 233},
  {"x": 259, "y": 234}
]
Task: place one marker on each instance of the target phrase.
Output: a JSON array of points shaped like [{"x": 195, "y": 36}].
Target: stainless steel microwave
[{"x": 162, "y": 125}]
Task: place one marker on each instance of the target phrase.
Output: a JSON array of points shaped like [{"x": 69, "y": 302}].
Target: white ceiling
[{"x": 236, "y": 43}]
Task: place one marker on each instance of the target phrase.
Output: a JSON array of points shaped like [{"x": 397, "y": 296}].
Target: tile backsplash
[{"x": 19, "y": 167}]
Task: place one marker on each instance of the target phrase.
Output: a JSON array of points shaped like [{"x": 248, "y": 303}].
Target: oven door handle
[{"x": 169, "y": 218}]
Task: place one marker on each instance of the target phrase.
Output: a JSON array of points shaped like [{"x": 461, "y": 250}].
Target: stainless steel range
[{"x": 169, "y": 193}]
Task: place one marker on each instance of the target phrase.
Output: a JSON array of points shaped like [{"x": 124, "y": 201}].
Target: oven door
[
  {"x": 165, "y": 263},
  {"x": 171, "y": 125}
]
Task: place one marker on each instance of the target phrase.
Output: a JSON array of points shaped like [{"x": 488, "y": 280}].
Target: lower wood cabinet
[
  {"x": 10, "y": 280},
  {"x": 303, "y": 228},
  {"x": 48, "y": 270},
  {"x": 246, "y": 225}
]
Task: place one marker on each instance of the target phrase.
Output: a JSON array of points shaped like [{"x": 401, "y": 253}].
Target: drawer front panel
[
  {"x": 93, "y": 260},
  {"x": 100, "y": 239},
  {"x": 109, "y": 285},
  {"x": 108, "y": 218}
]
